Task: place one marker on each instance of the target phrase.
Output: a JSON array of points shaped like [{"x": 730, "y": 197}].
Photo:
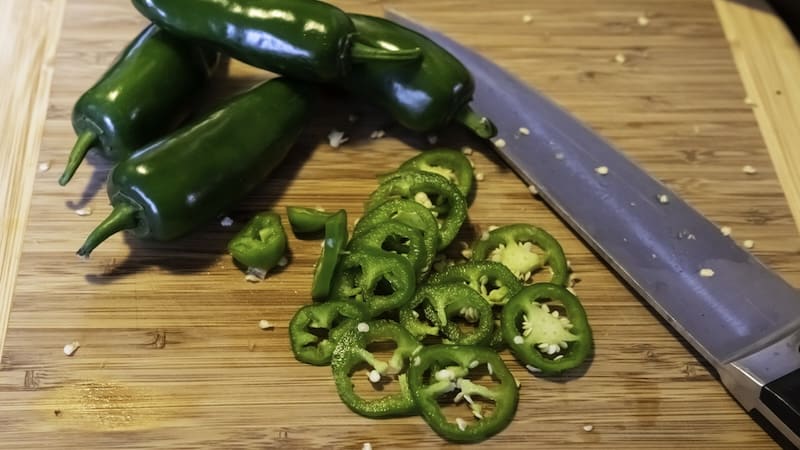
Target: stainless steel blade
[{"x": 745, "y": 319}]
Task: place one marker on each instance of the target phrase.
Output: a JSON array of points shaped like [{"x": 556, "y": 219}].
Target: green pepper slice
[
  {"x": 443, "y": 302},
  {"x": 401, "y": 239},
  {"x": 449, "y": 163},
  {"x": 431, "y": 190},
  {"x": 306, "y": 220},
  {"x": 404, "y": 211},
  {"x": 315, "y": 329},
  {"x": 493, "y": 280},
  {"x": 545, "y": 326},
  {"x": 438, "y": 371},
  {"x": 261, "y": 243},
  {"x": 516, "y": 246},
  {"x": 332, "y": 245},
  {"x": 382, "y": 280},
  {"x": 351, "y": 351}
]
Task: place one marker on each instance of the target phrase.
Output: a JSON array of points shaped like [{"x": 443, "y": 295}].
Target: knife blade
[{"x": 742, "y": 317}]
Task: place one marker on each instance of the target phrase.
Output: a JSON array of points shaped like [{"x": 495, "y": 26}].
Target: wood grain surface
[{"x": 171, "y": 353}]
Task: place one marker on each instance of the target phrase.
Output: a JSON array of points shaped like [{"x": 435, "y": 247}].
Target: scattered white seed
[
  {"x": 445, "y": 375},
  {"x": 663, "y": 199},
  {"x": 44, "y": 166},
  {"x": 489, "y": 368},
  {"x": 524, "y": 131},
  {"x": 620, "y": 58},
  {"x": 480, "y": 176},
  {"x": 377, "y": 134},
  {"x": 533, "y": 189},
  {"x": 366, "y": 446},
  {"x": 462, "y": 424},
  {"x": 466, "y": 253},
  {"x": 473, "y": 364},
  {"x": 516, "y": 381},
  {"x": 726, "y": 230},
  {"x": 602, "y": 170},
  {"x": 500, "y": 143},
  {"x": 532, "y": 369},
  {"x": 283, "y": 261},
  {"x": 336, "y": 138},
  {"x": 749, "y": 102},
  {"x": 642, "y": 20},
  {"x": 226, "y": 221},
  {"x": 417, "y": 361},
  {"x": 493, "y": 227},
  {"x": 265, "y": 324},
  {"x": 485, "y": 236},
  {"x": 748, "y": 169},
  {"x": 519, "y": 340},
  {"x": 255, "y": 274},
  {"x": 84, "y": 211},
  {"x": 71, "y": 348},
  {"x": 466, "y": 150},
  {"x": 433, "y": 139},
  {"x": 374, "y": 376},
  {"x": 362, "y": 327},
  {"x": 559, "y": 155},
  {"x": 527, "y": 18},
  {"x": 748, "y": 243},
  {"x": 706, "y": 272},
  {"x": 588, "y": 428}
]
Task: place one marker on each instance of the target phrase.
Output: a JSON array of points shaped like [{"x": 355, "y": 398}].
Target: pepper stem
[
  {"x": 82, "y": 146},
  {"x": 361, "y": 52},
  {"x": 479, "y": 125},
  {"x": 122, "y": 217}
]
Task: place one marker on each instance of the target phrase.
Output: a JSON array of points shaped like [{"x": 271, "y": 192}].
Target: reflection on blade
[{"x": 718, "y": 296}]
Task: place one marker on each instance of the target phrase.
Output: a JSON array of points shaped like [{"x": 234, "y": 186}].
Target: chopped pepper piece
[
  {"x": 516, "y": 246},
  {"x": 449, "y": 163},
  {"x": 261, "y": 243},
  {"x": 352, "y": 350},
  {"x": 493, "y": 280},
  {"x": 306, "y": 220},
  {"x": 443, "y": 302},
  {"x": 315, "y": 329},
  {"x": 545, "y": 326},
  {"x": 437, "y": 371},
  {"x": 431, "y": 190},
  {"x": 334, "y": 242},
  {"x": 401, "y": 239},
  {"x": 404, "y": 211},
  {"x": 382, "y": 280}
]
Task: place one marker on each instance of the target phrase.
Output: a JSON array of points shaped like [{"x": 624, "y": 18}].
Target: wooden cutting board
[{"x": 171, "y": 353}]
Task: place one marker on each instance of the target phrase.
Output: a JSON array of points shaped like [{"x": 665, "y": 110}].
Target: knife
[{"x": 743, "y": 318}]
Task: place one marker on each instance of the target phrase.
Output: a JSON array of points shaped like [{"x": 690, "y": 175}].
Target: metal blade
[{"x": 664, "y": 250}]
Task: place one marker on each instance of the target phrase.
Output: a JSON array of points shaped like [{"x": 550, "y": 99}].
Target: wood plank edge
[
  {"x": 38, "y": 33},
  {"x": 765, "y": 53}
]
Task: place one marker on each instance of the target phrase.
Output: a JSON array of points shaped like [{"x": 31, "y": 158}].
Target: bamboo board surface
[{"x": 171, "y": 354}]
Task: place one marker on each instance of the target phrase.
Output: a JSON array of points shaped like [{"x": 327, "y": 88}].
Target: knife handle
[{"x": 782, "y": 397}]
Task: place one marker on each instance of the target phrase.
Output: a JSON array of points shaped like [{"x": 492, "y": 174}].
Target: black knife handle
[{"x": 782, "y": 397}]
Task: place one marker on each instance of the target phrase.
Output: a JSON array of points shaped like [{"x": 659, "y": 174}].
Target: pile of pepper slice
[{"x": 384, "y": 308}]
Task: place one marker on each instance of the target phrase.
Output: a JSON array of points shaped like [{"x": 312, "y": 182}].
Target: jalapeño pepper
[
  {"x": 449, "y": 163},
  {"x": 491, "y": 279},
  {"x": 404, "y": 211},
  {"x": 440, "y": 374},
  {"x": 334, "y": 242},
  {"x": 431, "y": 190},
  {"x": 351, "y": 351},
  {"x": 401, "y": 239},
  {"x": 545, "y": 326},
  {"x": 306, "y": 220},
  {"x": 176, "y": 184},
  {"x": 422, "y": 95},
  {"x": 306, "y": 39},
  {"x": 441, "y": 304},
  {"x": 139, "y": 97},
  {"x": 516, "y": 246},
  {"x": 261, "y": 243},
  {"x": 315, "y": 329}
]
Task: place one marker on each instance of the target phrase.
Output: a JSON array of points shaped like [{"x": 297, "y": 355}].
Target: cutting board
[{"x": 171, "y": 354}]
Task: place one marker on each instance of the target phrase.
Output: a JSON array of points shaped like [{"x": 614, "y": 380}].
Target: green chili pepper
[
  {"x": 404, "y": 211},
  {"x": 334, "y": 242},
  {"x": 401, "y": 239},
  {"x": 431, "y": 190},
  {"x": 177, "y": 184},
  {"x": 305, "y": 39},
  {"x": 515, "y": 246},
  {"x": 315, "y": 329},
  {"x": 261, "y": 243},
  {"x": 382, "y": 280},
  {"x": 352, "y": 350},
  {"x": 493, "y": 280},
  {"x": 439, "y": 375},
  {"x": 306, "y": 220},
  {"x": 546, "y": 327},
  {"x": 441, "y": 303},
  {"x": 449, "y": 163},
  {"x": 423, "y": 95},
  {"x": 139, "y": 98}
]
